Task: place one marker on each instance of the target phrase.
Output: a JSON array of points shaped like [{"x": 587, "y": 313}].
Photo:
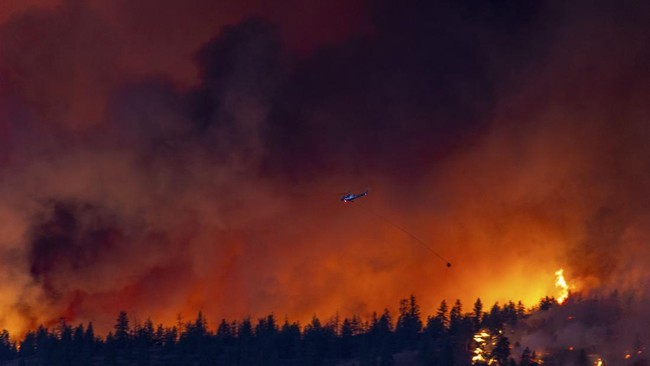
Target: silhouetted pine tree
[
  {"x": 62, "y": 352},
  {"x": 289, "y": 341},
  {"x": 110, "y": 350},
  {"x": 527, "y": 358},
  {"x": 122, "y": 331},
  {"x": 442, "y": 314},
  {"x": 409, "y": 324},
  {"x": 501, "y": 351},
  {"x": 91, "y": 344},
  {"x": 347, "y": 346},
  {"x": 318, "y": 343},
  {"x": 170, "y": 336},
  {"x": 455, "y": 317},
  {"x": 266, "y": 334},
  {"x": 7, "y": 347},
  {"x": 546, "y": 303},
  {"x": 226, "y": 342},
  {"x": 245, "y": 343},
  {"x": 478, "y": 314},
  {"x": 495, "y": 318},
  {"x": 28, "y": 345},
  {"x": 142, "y": 341},
  {"x": 194, "y": 340},
  {"x": 81, "y": 352},
  {"x": 509, "y": 313},
  {"x": 521, "y": 310},
  {"x": 434, "y": 339}
]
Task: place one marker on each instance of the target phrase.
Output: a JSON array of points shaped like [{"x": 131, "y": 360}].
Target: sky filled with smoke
[{"x": 166, "y": 157}]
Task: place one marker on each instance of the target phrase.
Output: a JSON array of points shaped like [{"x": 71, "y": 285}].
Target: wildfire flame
[
  {"x": 484, "y": 342},
  {"x": 480, "y": 339},
  {"x": 560, "y": 282}
]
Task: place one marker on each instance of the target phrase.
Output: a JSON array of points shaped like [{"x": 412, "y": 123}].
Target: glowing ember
[{"x": 561, "y": 283}]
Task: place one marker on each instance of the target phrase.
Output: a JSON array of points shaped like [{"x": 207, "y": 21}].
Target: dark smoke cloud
[
  {"x": 509, "y": 136},
  {"x": 68, "y": 241},
  {"x": 52, "y": 63}
]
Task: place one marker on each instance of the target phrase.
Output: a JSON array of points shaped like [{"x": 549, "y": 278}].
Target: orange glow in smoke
[{"x": 232, "y": 243}]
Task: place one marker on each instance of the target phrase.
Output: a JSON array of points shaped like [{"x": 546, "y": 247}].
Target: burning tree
[{"x": 491, "y": 349}]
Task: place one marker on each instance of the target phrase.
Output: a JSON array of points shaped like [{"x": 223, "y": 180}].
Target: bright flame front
[
  {"x": 560, "y": 282},
  {"x": 484, "y": 344}
]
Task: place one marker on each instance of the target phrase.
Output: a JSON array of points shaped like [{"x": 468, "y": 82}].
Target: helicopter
[{"x": 349, "y": 197}]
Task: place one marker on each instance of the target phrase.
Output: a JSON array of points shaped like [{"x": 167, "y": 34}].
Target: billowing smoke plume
[{"x": 511, "y": 137}]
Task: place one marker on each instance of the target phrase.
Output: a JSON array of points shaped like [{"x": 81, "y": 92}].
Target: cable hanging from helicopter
[{"x": 350, "y": 197}]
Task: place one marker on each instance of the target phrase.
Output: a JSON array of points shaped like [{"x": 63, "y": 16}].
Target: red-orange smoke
[{"x": 190, "y": 161}]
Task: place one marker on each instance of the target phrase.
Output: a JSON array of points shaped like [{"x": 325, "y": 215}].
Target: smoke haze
[{"x": 194, "y": 160}]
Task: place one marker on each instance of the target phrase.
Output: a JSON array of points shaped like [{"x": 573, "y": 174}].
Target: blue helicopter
[{"x": 349, "y": 197}]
